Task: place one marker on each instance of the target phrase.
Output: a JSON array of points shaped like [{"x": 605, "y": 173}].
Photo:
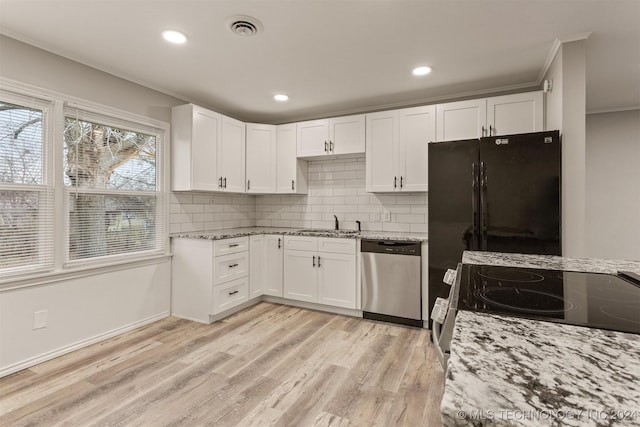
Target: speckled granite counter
[
  {"x": 248, "y": 231},
  {"x": 506, "y": 371}
]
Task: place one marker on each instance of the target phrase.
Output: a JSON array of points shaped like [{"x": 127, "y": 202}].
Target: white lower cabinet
[
  {"x": 320, "y": 276},
  {"x": 300, "y": 275},
  {"x": 203, "y": 284},
  {"x": 337, "y": 279},
  {"x": 273, "y": 259},
  {"x": 265, "y": 260}
]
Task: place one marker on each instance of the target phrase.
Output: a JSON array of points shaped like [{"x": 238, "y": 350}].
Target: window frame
[
  {"x": 87, "y": 113},
  {"x": 59, "y": 104},
  {"x": 46, "y": 213}
]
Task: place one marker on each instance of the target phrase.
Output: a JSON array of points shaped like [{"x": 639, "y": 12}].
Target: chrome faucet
[{"x": 337, "y": 227}]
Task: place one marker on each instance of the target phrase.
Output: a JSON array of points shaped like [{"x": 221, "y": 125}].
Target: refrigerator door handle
[
  {"x": 484, "y": 211},
  {"x": 475, "y": 231}
]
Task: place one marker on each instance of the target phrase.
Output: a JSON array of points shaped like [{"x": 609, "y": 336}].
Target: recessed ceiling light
[
  {"x": 281, "y": 97},
  {"x": 421, "y": 71},
  {"x": 174, "y": 36}
]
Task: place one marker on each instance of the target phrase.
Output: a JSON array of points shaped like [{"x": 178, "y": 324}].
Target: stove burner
[
  {"x": 615, "y": 312},
  {"x": 524, "y": 300},
  {"x": 511, "y": 275}
]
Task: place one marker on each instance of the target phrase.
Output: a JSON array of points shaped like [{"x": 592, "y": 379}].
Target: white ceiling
[{"x": 337, "y": 57}]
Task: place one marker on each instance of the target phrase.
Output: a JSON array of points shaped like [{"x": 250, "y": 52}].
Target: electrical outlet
[
  {"x": 386, "y": 216},
  {"x": 40, "y": 319},
  {"x": 212, "y": 201},
  {"x": 376, "y": 216}
]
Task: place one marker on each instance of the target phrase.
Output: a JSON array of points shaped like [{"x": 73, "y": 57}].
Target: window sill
[{"x": 69, "y": 274}]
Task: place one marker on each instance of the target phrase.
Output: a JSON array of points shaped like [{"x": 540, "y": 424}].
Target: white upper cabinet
[
  {"x": 291, "y": 172},
  {"x": 397, "y": 149},
  {"x": 195, "y": 134},
  {"x": 231, "y": 156},
  {"x": 417, "y": 130},
  {"x": 339, "y": 135},
  {"x": 261, "y": 158},
  {"x": 207, "y": 150},
  {"x": 461, "y": 120},
  {"x": 518, "y": 113},
  {"x": 382, "y": 151},
  {"x": 346, "y": 134},
  {"x": 499, "y": 115}
]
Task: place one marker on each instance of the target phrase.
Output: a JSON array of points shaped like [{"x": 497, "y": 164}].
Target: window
[
  {"x": 114, "y": 205},
  {"x": 26, "y": 190}
]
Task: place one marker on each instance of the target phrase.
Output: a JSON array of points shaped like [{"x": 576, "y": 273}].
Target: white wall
[
  {"x": 566, "y": 109},
  {"x": 80, "y": 311},
  {"x": 85, "y": 308},
  {"x": 28, "y": 64},
  {"x": 613, "y": 185}
]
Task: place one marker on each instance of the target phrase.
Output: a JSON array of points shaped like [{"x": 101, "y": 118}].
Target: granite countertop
[
  {"x": 349, "y": 234},
  {"x": 506, "y": 371}
]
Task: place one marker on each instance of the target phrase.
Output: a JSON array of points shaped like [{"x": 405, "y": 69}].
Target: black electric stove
[{"x": 603, "y": 301}]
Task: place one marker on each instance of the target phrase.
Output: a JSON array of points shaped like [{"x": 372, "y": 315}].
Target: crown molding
[{"x": 554, "y": 51}]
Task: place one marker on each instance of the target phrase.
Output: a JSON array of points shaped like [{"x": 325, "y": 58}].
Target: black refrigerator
[{"x": 499, "y": 194}]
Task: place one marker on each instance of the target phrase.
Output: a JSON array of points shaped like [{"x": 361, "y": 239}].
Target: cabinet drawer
[
  {"x": 336, "y": 245},
  {"x": 230, "y": 267},
  {"x": 301, "y": 243},
  {"x": 230, "y": 246},
  {"x": 230, "y": 294}
]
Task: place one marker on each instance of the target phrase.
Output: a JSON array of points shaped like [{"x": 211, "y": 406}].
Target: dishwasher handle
[{"x": 390, "y": 247}]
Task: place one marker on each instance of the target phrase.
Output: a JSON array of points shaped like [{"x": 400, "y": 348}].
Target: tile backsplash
[{"x": 336, "y": 187}]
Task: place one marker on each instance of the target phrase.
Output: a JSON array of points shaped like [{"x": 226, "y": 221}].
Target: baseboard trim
[
  {"x": 25, "y": 364},
  {"x": 313, "y": 306}
]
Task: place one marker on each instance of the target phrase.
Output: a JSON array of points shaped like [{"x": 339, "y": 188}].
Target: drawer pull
[
  {"x": 233, "y": 293},
  {"x": 279, "y": 243},
  {"x": 318, "y": 260},
  {"x": 233, "y": 265},
  {"x": 234, "y": 245}
]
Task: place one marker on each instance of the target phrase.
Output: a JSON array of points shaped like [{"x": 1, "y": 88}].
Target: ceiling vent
[{"x": 244, "y": 26}]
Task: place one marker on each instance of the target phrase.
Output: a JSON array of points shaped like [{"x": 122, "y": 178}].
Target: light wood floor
[{"x": 267, "y": 365}]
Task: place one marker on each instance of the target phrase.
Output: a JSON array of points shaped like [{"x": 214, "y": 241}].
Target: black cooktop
[{"x": 595, "y": 300}]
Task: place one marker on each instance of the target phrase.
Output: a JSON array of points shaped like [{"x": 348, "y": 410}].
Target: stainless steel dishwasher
[{"x": 391, "y": 281}]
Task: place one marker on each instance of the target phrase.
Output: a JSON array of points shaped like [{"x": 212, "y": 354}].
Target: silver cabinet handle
[
  {"x": 233, "y": 293},
  {"x": 233, "y": 265},
  {"x": 314, "y": 261},
  {"x": 318, "y": 260},
  {"x": 279, "y": 242}
]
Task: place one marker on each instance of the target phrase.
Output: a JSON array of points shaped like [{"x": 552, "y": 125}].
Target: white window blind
[
  {"x": 115, "y": 205},
  {"x": 26, "y": 188}
]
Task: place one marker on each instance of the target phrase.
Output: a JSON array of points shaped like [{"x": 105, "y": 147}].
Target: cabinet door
[
  {"x": 256, "y": 265},
  {"x": 381, "y": 160},
  {"x": 313, "y": 138},
  {"x": 291, "y": 172},
  {"x": 300, "y": 275},
  {"x": 274, "y": 250},
  {"x": 461, "y": 120},
  {"x": 417, "y": 130},
  {"x": 337, "y": 279},
  {"x": 346, "y": 135},
  {"x": 517, "y": 113},
  {"x": 261, "y": 158},
  {"x": 230, "y": 294},
  {"x": 204, "y": 145},
  {"x": 231, "y": 152}
]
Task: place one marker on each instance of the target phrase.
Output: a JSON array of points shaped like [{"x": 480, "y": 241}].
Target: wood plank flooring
[{"x": 268, "y": 365}]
